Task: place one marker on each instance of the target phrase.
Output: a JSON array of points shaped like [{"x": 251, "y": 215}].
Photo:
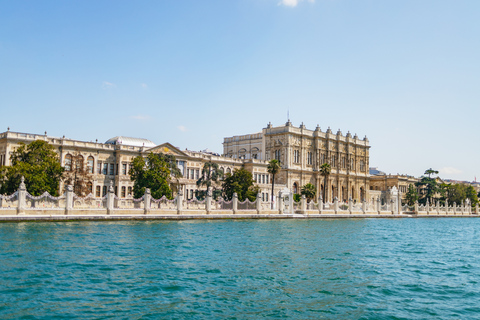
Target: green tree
[
  {"x": 273, "y": 168},
  {"x": 155, "y": 172},
  {"x": 210, "y": 177},
  {"x": 428, "y": 186},
  {"x": 472, "y": 195},
  {"x": 38, "y": 163},
  {"x": 241, "y": 182},
  {"x": 412, "y": 195},
  {"x": 309, "y": 191},
  {"x": 325, "y": 170}
]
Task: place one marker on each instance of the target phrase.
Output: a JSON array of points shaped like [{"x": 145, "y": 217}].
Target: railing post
[
  {"x": 147, "y": 201},
  {"x": 320, "y": 204},
  {"x": 350, "y": 205},
  {"x": 303, "y": 204},
  {"x": 392, "y": 206},
  {"x": 280, "y": 202},
  {"x": 68, "y": 200},
  {"x": 235, "y": 203},
  {"x": 208, "y": 201},
  {"x": 290, "y": 202},
  {"x": 399, "y": 202},
  {"x": 415, "y": 208},
  {"x": 427, "y": 206},
  {"x": 179, "y": 201},
  {"x": 110, "y": 198},
  {"x": 335, "y": 205},
  {"x": 379, "y": 206},
  {"x": 364, "y": 206},
  {"x": 462, "y": 207},
  {"x": 258, "y": 204},
  {"x": 438, "y": 207},
  {"x": 476, "y": 208},
  {"x": 454, "y": 208},
  {"x": 22, "y": 194},
  {"x": 446, "y": 207}
]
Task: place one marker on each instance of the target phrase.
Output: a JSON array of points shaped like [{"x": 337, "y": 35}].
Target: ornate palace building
[{"x": 300, "y": 151}]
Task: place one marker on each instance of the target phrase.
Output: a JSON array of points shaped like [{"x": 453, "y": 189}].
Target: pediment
[{"x": 167, "y": 148}]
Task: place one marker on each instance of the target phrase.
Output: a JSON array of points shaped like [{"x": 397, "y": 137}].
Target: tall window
[
  {"x": 277, "y": 155},
  {"x": 344, "y": 163},
  {"x": 99, "y": 167},
  {"x": 296, "y": 156},
  {"x": 129, "y": 191},
  {"x": 68, "y": 162},
  {"x": 310, "y": 158},
  {"x": 89, "y": 187},
  {"x": 90, "y": 164},
  {"x": 97, "y": 194},
  {"x": 104, "y": 191},
  {"x": 112, "y": 169},
  {"x": 362, "y": 165},
  {"x": 124, "y": 168},
  {"x": 123, "y": 191},
  {"x": 334, "y": 161},
  {"x": 197, "y": 174},
  {"x": 105, "y": 168},
  {"x": 79, "y": 163}
]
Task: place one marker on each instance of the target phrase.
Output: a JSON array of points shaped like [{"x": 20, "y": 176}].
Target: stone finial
[
  {"x": 288, "y": 124},
  {"x": 70, "y": 188},
  {"x": 8, "y": 129},
  {"x": 147, "y": 191},
  {"x": 318, "y": 128},
  {"x": 365, "y": 139},
  {"x": 349, "y": 135},
  {"x": 45, "y": 132},
  {"x": 303, "y": 126},
  {"x": 96, "y": 140},
  {"x": 339, "y": 132},
  {"x": 22, "y": 183},
  {"x": 110, "y": 188},
  {"x": 329, "y": 130},
  {"x": 355, "y": 136},
  {"x": 63, "y": 137},
  {"x": 269, "y": 125}
]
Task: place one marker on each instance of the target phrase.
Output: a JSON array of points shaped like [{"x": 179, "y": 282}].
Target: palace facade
[{"x": 300, "y": 151}]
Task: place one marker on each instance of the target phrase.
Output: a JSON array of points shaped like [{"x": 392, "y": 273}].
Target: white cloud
[
  {"x": 144, "y": 85},
  {"x": 140, "y": 117},
  {"x": 108, "y": 85},
  {"x": 182, "y": 128},
  {"x": 450, "y": 170},
  {"x": 292, "y": 3}
]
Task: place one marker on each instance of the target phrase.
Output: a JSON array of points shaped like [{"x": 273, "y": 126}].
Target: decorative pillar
[
  {"x": 147, "y": 201},
  {"x": 280, "y": 202},
  {"x": 68, "y": 199},
  {"x": 290, "y": 202},
  {"x": 415, "y": 210},
  {"x": 364, "y": 206},
  {"x": 208, "y": 201},
  {"x": 320, "y": 204},
  {"x": 258, "y": 203},
  {"x": 22, "y": 194},
  {"x": 438, "y": 207},
  {"x": 303, "y": 204},
  {"x": 399, "y": 202},
  {"x": 235, "y": 203},
  {"x": 110, "y": 198},
  {"x": 476, "y": 208},
  {"x": 427, "y": 206},
  {"x": 454, "y": 208},
  {"x": 335, "y": 205},
  {"x": 350, "y": 205},
  {"x": 392, "y": 206},
  {"x": 379, "y": 205},
  {"x": 179, "y": 201}
]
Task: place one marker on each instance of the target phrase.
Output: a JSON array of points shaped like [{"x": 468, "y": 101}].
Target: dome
[{"x": 128, "y": 141}]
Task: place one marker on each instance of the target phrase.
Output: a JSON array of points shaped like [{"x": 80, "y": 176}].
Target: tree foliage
[
  {"x": 210, "y": 177},
  {"x": 241, "y": 182},
  {"x": 309, "y": 191},
  {"x": 273, "y": 168},
  {"x": 78, "y": 175},
  {"x": 458, "y": 193},
  {"x": 325, "y": 170},
  {"x": 156, "y": 173},
  {"x": 38, "y": 163},
  {"x": 428, "y": 187},
  {"x": 412, "y": 195}
]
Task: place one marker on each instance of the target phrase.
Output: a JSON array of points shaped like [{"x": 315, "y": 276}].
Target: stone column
[
  {"x": 350, "y": 205},
  {"x": 280, "y": 202},
  {"x": 68, "y": 199},
  {"x": 290, "y": 202},
  {"x": 259, "y": 203},
  {"x": 392, "y": 206},
  {"x": 454, "y": 208},
  {"x": 364, "y": 206},
  {"x": 379, "y": 206},
  {"x": 335, "y": 205},
  {"x": 446, "y": 207},
  {"x": 438, "y": 207},
  {"x": 399, "y": 202},
  {"x": 179, "y": 201},
  {"x": 416, "y": 207},
  {"x": 303, "y": 204},
  {"x": 476, "y": 208},
  {"x": 147, "y": 200},
  {"x": 110, "y": 198},
  {"x": 208, "y": 201},
  {"x": 22, "y": 194},
  {"x": 320, "y": 204},
  {"x": 235, "y": 203},
  {"x": 462, "y": 207}
]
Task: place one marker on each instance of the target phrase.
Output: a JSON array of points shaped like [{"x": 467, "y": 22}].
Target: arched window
[
  {"x": 229, "y": 170},
  {"x": 295, "y": 187},
  {"x": 79, "y": 162},
  {"x": 90, "y": 164},
  {"x": 68, "y": 162},
  {"x": 89, "y": 187}
]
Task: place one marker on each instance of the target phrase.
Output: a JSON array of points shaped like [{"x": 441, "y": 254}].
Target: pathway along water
[{"x": 241, "y": 269}]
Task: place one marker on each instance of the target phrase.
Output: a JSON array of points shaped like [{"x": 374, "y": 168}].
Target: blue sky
[{"x": 404, "y": 73}]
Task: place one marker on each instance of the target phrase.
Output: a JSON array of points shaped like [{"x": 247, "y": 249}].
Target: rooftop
[{"x": 129, "y": 141}]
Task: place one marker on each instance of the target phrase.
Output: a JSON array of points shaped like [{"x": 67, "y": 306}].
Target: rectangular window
[
  {"x": 181, "y": 167},
  {"x": 268, "y": 177},
  {"x": 104, "y": 191},
  {"x": 255, "y": 177},
  {"x": 105, "y": 168},
  {"x": 116, "y": 171},
  {"x": 129, "y": 191},
  {"x": 97, "y": 191},
  {"x": 266, "y": 197},
  {"x": 124, "y": 169},
  {"x": 263, "y": 178},
  {"x": 124, "y": 192},
  {"x": 116, "y": 191},
  {"x": 197, "y": 174},
  {"x": 191, "y": 193},
  {"x": 112, "y": 169},
  {"x": 263, "y": 196}
]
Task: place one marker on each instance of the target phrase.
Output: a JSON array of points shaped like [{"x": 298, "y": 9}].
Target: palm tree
[
  {"x": 309, "y": 191},
  {"x": 273, "y": 168},
  {"x": 211, "y": 174},
  {"x": 325, "y": 170}
]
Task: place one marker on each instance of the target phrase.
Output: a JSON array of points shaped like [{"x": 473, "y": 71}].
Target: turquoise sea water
[{"x": 243, "y": 269}]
